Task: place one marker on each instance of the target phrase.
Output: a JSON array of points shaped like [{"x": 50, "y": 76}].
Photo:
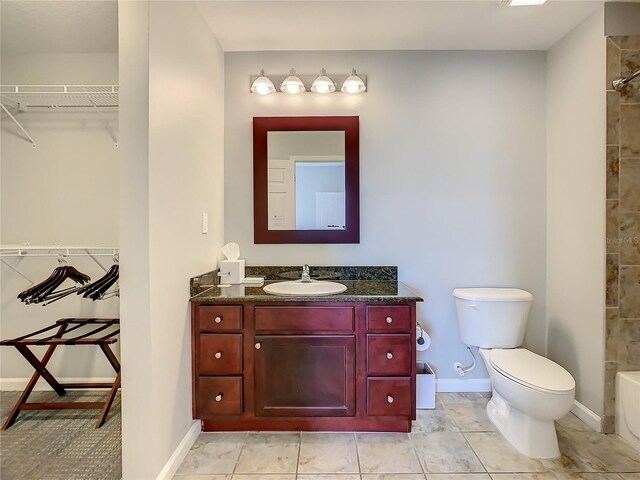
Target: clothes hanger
[
  {"x": 39, "y": 287},
  {"x": 53, "y": 281},
  {"x": 99, "y": 293},
  {"x": 48, "y": 292},
  {"x": 91, "y": 287},
  {"x": 98, "y": 289},
  {"x": 77, "y": 275}
]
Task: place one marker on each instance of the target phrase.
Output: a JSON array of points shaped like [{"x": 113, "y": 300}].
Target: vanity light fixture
[
  {"x": 292, "y": 84},
  {"x": 521, "y": 3},
  {"x": 323, "y": 84},
  {"x": 263, "y": 85},
  {"x": 353, "y": 84}
]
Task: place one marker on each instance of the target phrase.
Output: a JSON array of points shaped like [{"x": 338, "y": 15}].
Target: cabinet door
[{"x": 304, "y": 376}]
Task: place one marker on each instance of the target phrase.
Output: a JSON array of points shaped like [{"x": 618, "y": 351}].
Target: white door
[{"x": 281, "y": 195}]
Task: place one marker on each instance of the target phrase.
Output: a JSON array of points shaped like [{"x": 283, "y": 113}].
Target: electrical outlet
[{"x": 205, "y": 223}]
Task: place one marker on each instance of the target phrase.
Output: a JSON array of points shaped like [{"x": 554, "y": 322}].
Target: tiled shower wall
[{"x": 622, "y": 344}]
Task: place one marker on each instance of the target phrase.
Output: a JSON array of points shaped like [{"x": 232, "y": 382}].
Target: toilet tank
[{"x": 492, "y": 317}]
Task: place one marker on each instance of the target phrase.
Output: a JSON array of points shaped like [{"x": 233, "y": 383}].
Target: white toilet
[{"x": 529, "y": 391}]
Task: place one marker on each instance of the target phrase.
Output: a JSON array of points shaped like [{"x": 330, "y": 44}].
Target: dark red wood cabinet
[{"x": 304, "y": 366}]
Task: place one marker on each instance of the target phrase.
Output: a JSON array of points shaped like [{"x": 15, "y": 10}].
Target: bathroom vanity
[{"x": 341, "y": 362}]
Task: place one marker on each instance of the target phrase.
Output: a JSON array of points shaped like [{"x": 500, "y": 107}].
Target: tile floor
[{"x": 453, "y": 442}]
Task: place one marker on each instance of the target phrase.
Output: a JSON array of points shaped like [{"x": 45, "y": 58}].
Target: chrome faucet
[{"x": 306, "y": 277}]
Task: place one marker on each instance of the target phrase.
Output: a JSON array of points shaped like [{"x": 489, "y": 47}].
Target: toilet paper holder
[{"x": 423, "y": 341}]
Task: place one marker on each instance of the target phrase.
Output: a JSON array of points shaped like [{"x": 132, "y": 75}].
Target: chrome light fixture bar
[
  {"x": 294, "y": 83},
  {"x": 521, "y": 3}
]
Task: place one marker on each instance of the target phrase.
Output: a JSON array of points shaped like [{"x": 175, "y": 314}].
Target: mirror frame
[{"x": 350, "y": 126}]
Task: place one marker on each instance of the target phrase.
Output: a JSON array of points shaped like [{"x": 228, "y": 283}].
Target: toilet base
[{"x": 531, "y": 437}]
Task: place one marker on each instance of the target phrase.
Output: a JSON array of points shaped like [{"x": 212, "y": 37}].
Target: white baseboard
[
  {"x": 178, "y": 455},
  {"x": 9, "y": 384},
  {"x": 587, "y": 416},
  {"x": 460, "y": 385}
]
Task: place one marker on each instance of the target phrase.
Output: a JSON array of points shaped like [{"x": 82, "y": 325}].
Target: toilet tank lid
[{"x": 493, "y": 294}]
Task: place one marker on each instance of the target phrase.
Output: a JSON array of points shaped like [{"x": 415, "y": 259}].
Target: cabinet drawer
[
  {"x": 382, "y": 318},
  {"x": 220, "y": 354},
  {"x": 389, "y": 396},
  {"x": 305, "y": 319},
  {"x": 213, "y": 318},
  {"x": 219, "y": 396},
  {"x": 389, "y": 354}
]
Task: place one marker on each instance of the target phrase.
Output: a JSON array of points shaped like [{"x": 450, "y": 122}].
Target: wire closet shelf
[
  {"x": 60, "y": 96},
  {"x": 59, "y": 251},
  {"x": 19, "y": 99}
]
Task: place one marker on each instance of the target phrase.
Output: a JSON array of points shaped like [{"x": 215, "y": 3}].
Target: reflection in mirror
[{"x": 306, "y": 180}]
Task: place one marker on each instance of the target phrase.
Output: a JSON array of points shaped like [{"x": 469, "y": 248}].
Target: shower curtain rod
[{"x": 621, "y": 82}]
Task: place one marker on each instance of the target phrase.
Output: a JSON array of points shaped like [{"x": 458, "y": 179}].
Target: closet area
[{"x": 59, "y": 255}]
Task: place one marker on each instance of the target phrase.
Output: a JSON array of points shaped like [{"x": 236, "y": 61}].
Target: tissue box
[{"x": 231, "y": 271}]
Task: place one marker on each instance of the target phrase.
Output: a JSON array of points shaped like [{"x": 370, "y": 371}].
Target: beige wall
[
  {"x": 575, "y": 206},
  {"x": 172, "y": 156}
]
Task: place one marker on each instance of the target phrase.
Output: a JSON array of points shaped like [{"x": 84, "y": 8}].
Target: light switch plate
[{"x": 205, "y": 223}]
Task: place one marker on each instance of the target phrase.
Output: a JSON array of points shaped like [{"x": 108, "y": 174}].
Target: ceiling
[
  {"x": 391, "y": 25},
  {"x": 81, "y": 26}
]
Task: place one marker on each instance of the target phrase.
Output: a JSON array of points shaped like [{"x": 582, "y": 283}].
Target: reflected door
[{"x": 282, "y": 191}]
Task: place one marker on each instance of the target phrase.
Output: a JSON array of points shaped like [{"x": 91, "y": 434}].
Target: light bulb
[
  {"x": 262, "y": 89},
  {"x": 352, "y": 88},
  {"x": 323, "y": 84},
  {"x": 262, "y": 85},
  {"x": 292, "y": 84},
  {"x": 292, "y": 88},
  {"x": 353, "y": 84}
]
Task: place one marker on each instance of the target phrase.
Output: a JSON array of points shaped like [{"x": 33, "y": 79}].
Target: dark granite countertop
[{"x": 364, "y": 284}]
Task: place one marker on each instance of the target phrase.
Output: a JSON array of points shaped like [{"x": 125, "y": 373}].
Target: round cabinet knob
[
  {"x": 217, "y": 319},
  {"x": 389, "y": 319},
  {"x": 258, "y": 346},
  {"x": 219, "y": 397},
  {"x": 218, "y": 355},
  {"x": 389, "y": 355},
  {"x": 389, "y": 399}
]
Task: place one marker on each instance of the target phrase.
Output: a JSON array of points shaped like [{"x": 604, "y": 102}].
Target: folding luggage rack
[{"x": 103, "y": 333}]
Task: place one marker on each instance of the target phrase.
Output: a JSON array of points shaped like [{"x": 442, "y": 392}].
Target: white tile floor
[{"x": 453, "y": 442}]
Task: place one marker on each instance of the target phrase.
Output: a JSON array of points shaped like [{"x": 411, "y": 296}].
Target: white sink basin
[{"x": 308, "y": 289}]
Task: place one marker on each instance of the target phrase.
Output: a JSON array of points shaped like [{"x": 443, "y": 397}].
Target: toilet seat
[{"x": 531, "y": 370}]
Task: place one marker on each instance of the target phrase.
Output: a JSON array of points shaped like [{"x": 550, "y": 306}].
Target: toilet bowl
[{"x": 529, "y": 391}]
